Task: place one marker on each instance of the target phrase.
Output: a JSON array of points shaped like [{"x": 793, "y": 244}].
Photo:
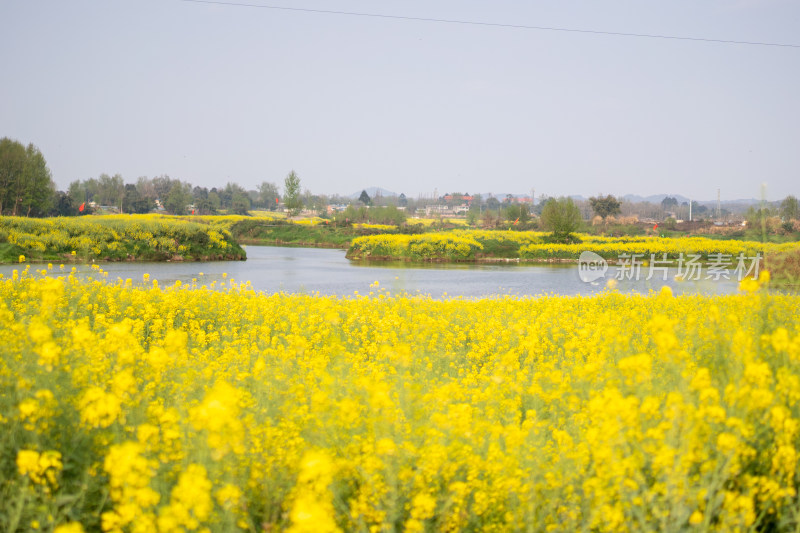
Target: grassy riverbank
[
  {"x": 785, "y": 269},
  {"x": 175, "y": 238},
  {"x": 281, "y": 232},
  {"x": 170, "y": 238},
  {"x": 313, "y": 233}
]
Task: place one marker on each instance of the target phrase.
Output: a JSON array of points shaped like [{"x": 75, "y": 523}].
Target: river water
[{"x": 324, "y": 271}]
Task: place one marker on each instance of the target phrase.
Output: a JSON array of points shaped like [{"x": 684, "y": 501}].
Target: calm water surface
[{"x": 309, "y": 270}]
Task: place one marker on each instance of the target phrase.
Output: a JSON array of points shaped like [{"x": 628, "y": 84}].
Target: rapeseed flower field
[
  {"x": 132, "y": 407},
  {"x": 468, "y": 245},
  {"x": 118, "y": 238}
]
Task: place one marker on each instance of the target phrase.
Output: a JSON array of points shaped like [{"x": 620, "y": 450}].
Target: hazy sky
[{"x": 214, "y": 93}]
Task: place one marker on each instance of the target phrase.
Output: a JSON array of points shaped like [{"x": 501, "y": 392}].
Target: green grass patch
[
  {"x": 784, "y": 269},
  {"x": 279, "y": 232}
]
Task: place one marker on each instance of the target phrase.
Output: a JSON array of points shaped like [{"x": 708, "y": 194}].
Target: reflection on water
[{"x": 311, "y": 270}]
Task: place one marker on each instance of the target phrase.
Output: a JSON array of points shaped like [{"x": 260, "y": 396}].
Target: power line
[{"x": 491, "y": 24}]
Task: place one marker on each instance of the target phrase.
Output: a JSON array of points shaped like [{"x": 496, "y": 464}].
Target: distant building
[
  {"x": 450, "y": 198},
  {"x": 440, "y": 209},
  {"x": 521, "y": 200},
  {"x": 336, "y": 208}
]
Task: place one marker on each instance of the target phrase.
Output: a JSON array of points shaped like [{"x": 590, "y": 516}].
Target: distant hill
[
  {"x": 656, "y": 199},
  {"x": 653, "y": 198},
  {"x": 373, "y": 191}
]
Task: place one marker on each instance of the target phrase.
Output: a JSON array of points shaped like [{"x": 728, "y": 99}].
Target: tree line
[
  {"x": 27, "y": 189},
  {"x": 26, "y": 185},
  {"x": 172, "y": 195}
]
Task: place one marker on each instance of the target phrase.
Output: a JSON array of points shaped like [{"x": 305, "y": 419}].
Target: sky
[{"x": 211, "y": 93}]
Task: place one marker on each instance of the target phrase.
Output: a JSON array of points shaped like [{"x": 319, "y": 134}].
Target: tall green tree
[
  {"x": 562, "y": 217},
  {"x": 669, "y": 202},
  {"x": 214, "y": 201},
  {"x": 39, "y": 190},
  {"x": 134, "y": 202},
  {"x": 517, "y": 213},
  {"x": 605, "y": 206},
  {"x": 364, "y": 198},
  {"x": 162, "y": 186},
  {"x": 81, "y": 192},
  {"x": 790, "y": 209},
  {"x": 77, "y": 192},
  {"x": 110, "y": 190},
  {"x": 267, "y": 194},
  {"x": 202, "y": 202},
  {"x": 291, "y": 193},
  {"x": 234, "y": 191},
  {"x": 179, "y": 196},
  {"x": 474, "y": 213},
  {"x": 26, "y": 186},
  {"x": 146, "y": 189},
  {"x": 12, "y": 166},
  {"x": 240, "y": 203},
  {"x": 63, "y": 205}
]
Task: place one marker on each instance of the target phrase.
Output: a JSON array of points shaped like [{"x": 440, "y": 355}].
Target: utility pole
[
  {"x": 690, "y": 209},
  {"x": 719, "y": 205}
]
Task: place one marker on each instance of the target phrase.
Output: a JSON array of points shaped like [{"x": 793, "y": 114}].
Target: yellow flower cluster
[
  {"x": 218, "y": 414},
  {"x": 190, "y": 502},
  {"x": 260, "y": 213},
  {"x": 129, "y": 473},
  {"x": 431, "y": 221},
  {"x": 613, "y": 247},
  {"x": 42, "y": 468},
  {"x": 382, "y": 227},
  {"x": 118, "y": 237},
  {"x": 533, "y": 246},
  {"x": 99, "y": 408},
  {"x": 313, "y": 221},
  {"x": 425, "y": 247},
  {"x": 312, "y": 510},
  {"x": 185, "y": 409}
]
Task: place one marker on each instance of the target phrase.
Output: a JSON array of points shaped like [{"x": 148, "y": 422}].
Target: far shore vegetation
[{"x": 165, "y": 219}]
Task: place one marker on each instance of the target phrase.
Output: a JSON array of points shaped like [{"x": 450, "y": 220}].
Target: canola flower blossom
[
  {"x": 431, "y": 221},
  {"x": 427, "y": 246},
  {"x": 69, "y": 527},
  {"x": 184, "y": 409},
  {"x": 42, "y": 468},
  {"x": 468, "y": 245},
  {"x": 120, "y": 237}
]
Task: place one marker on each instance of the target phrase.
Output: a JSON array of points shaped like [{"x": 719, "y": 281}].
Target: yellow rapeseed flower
[{"x": 71, "y": 527}]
